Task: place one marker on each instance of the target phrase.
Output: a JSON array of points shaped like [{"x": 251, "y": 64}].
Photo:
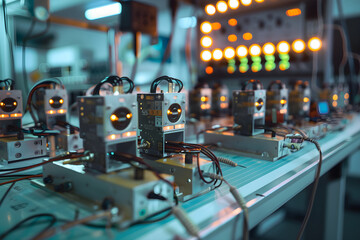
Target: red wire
[{"x": 19, "y": 179}]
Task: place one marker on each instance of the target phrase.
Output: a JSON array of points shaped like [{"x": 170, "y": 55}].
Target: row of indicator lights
[
  {"x": 124, "y": 135},
  {"x": 256, "y": 67},
  {"x": 13, "y": 115},
  {"x": 335, "y": 99},
  {"x": 283, "y": 47},
  {"x": 60, "y": 111},
  {"x": 222, "y": 6}
]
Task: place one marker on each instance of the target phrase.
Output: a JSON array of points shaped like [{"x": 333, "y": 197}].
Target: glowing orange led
[
  {"x": 334, "y": 104},
  {"x": 282, "y": 101},
  {"x": 203, "y": 99},
  {"x": 269, "y": 48},
  {"x": 229, "y": 53},
  {"x": 221, "y": 6},
  {"x": 232, "y": 22},
  {"x": 209, "y": 70},
  {"x": 217, "y": 54},
  {"x": 114, "y": 118},
  {"x": 283, "y": 47},
  {"x": 129, "y": 115},
  {"x": 346, "y": 96},
  {"x": 293, "y": 12},
  {"x": 230, "y": 69},
  {"x": 206, "y": 41},
  {"x": 4, "y": 115},
  {"x": 210, "y": 9},
  {"x": 14, "y": 103},
  {"x": 247, "y": 36},
  {"x": 335, "y": 97},
  {"x": 61, "y": 101},
  {"x": 232, "y": 38},
  {"x": 306, "y": 99},
  {"x": 298, "y": 46},
  {"x": 259, "y": 1},
  {"x": 241, "y": 51},
  {"x": 51, "y": 101},
  {"x": 223, "y": 98},
  {"x": 233, "y": 4},
  {"x": 206, "y": 27},
  {"x": 205, "y": 55},
  {"x": 255, "y": 50},
  {"x": 216, "y": 25},
  {"x": 314, "y": 44},
  {"x": 246, "y": 2},
  {"x": 2, "y": 104}
]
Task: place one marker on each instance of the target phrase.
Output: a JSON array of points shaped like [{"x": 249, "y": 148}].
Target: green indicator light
[
  {"x": 256, "y": 59},
  {"x": 231, "y": 62},
  {"x": 284, "y": 57},
  {"x": 244, "y": 60},
  {"x": 243, "y": 68},
  {"x": 269, "y": 66},
  {"x": 256, "y": 67},
  {"x": 270, "y": 58},
  {"x": 284, "y": 65}
]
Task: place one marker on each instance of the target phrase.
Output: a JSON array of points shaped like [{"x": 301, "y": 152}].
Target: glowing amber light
[
  {"x": 282, "y": 101},
  {"x": 283, "y": 47},
  {"x": 255, "y": 50},
  {"x": 206, "y": 41},
  {"x": 293, "y": 12},
  {"x": 229, "y": 53},
  {"x": 314, "y": 44},
  {"x": 246, "y": 2},
  {"x": 346, "y": 96},
  {"x": 210, "y": 9},
  {"x": 269, "y": 48},
  {"x": 306, "y": 99},
  {"x": 335, "y": 97},
  {"x": 298, "y": 46},
  {"x": 209, "y": 70},
  {"x": 257, "y": 104},
  {"x": 216, "y": 26},
  {"x": 61, "y": 101},
  {"x": 259, "y": 1},
  {"x": 14, "y": 103},
  {"x": 51, "y": 101},
  {"x": 205, "y": 55},
  {"x": 233, "y": 4},
  {"x": 232, "y": 38},
  {"x": 230, "y": 69},
  {"x": 247, "y": 36},
  {"x": 221, "y": 6},
  {"x": 241, "y": 51},
  {"x": 179, "y": 110},
  {"x": 114, "y": 118},
  {"x": 2, "y": 104},
  {"x": 113, "y": 136},
  {"x": 203, "y": 99},
  {"x": 223, "y": 98},
  {"x": 334, "y": 104},
  {"x": 61, "y": 111},
  {"x": 4, "y": 115},
  {"x": 205, "y": 27},
  {"x": 129, "y": 115},
  {"x": 232, "y": 22},
  {"x": 217, "y": 54}
]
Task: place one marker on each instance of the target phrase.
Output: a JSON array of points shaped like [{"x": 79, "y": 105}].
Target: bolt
[
  {"x": 18, "y": 155},
  {"x": 17, "y": 144}
]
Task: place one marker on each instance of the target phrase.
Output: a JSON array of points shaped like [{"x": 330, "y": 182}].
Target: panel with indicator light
[{"x": 11, "y": 111}]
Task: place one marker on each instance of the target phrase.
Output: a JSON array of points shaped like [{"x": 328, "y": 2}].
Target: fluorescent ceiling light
[{"x": 103, "y": 11}]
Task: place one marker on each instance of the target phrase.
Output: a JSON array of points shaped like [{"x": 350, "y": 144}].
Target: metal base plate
[
  {"x": 129, "y": 195},
  {"x": 261, "y": 146}
]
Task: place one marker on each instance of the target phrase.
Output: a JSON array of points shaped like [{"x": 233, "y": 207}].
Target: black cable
[
  {"x": 9, "y": 39},
  {"x": 158, "y": 80},
  {"x": 6, "y": 193},
  {"x": 149, "y": 220},
  {"x": 114, "y": 81},
  {"x": 18, "y": 225}
]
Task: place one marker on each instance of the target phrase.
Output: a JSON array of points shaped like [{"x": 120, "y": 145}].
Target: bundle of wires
[
  {"x": 114, "y": 81},
  {"x": 7, "y": 82},
  {"x": 46, "y": 83},
  {"x": 172, "y": 80},
  {"x": 64, "y": 124},
  {"x": 181, "y": 146}
]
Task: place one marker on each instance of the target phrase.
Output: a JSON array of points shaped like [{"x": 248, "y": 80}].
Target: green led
[
  {"x": 270, "y": 58},
  {"x": 243, "y": 68},
  {"x": 284, "y": 57},
  {"x": 284, "y": 65},
  {"x": 256, "y": 60},
  {"x": 231, "y": 62},
  {"x": 244, "y": 60},
  {"x": 256, "y": 67},
  {"x": 269, "y": 66}
]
